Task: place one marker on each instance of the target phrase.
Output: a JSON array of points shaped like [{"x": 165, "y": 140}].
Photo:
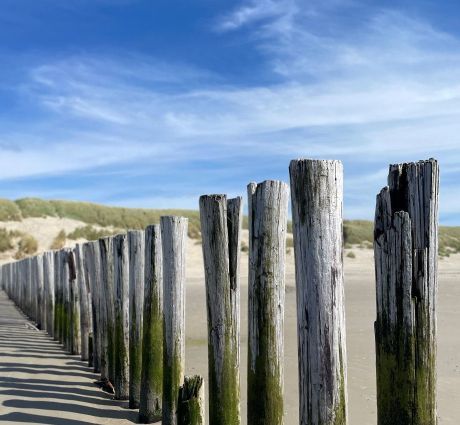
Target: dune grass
[{"x": 118, "y": 219}]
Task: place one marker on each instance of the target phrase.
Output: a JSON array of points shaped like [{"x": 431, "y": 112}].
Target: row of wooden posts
[{"x": 119, "y": 302}]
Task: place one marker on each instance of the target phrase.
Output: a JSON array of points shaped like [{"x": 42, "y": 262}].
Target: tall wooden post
[
  {"x": 74, "y": 325},
  {"x": 83, "y": 287},
  {"x": 57, "y": 295},
  {"x": 317, "y": 197},
  {"x": 121, "y": 327},
  {"x": 107, "y": 282},
  {"x": 190, "y": 410},
  {"x": 152, "y": 342},
  {"x": 136, "y": 306},
  {"x": 174, "y": 240},
  {"x": 268, "y": 207},
  {"x": 221, "y": 234},
  {"x": 40, "y": 292},
  {"x": 48, "y": 284},
  {"x": 405, "y": 245}
]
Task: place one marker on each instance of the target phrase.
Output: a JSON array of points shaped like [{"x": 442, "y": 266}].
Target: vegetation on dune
[
  {"x": 59, "y": 240},
  {"x": 118, "y": 219},
  {"x": 90, "y": 233},
  {"x": 27, "y": 245},
  {"x": 6, "y": 241}
]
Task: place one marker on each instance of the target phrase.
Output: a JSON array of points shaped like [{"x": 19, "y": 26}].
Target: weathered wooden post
[
  {"x": 40, "y": 310},
  {"x": 267, "y": 212},
  {"x": 66, "y": 281},
  {"x": 317, "y": 198},
  {"x": 48, "y": 284},
  {"x": 190, "y": 410},
  {"x": 136, "y": 307},
  {"x": 92, "y": 262},
  {"x": 221, "y": 234},
  {"x": 152, "y": 342},
  {"x": 121, "y": 327},
  {"x": 107, "y": 282},
  {"x": 74, "y": 326},
  {"x": 57, "y": 295},
  {"x": 406, "y": 246},
  {"x": 174, "y": 240},
  {"x": 83, "y": 286}
]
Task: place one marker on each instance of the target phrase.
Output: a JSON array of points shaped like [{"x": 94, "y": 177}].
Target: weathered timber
[
  {"x": 173, "y": 240},
  {"x": 152, "y": 342},
  {"x": 121, "y": 323},
  {"x": 317, "y": 198},
  {"x": 221, "y": 233},
  {"x": 267, "y": 212},
  {"x": 40, "y": 310},
  {"x": 405, "y": 245},
  {"x": 190, "y": 410},
  {"x": 83, "y": 287},
  {"x": 107, "y": 284},
  {"x": 74, "y": 325},
  {"x": 136, "y": 306},
  {"x": 48, "y": 284},
  {"x": 57, "y": 295}
]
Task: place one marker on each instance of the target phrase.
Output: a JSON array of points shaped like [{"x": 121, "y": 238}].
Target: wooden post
[
  {"x": 190, "y": 410},
  {"x": 48, "y": 284},
  {"x": 40, "y": 309},
  {"x": 91, "y": 261},
  {"x": 267, "y": 212},
  {"x": 174, "y": 240},
  {"x": 57, "y": 295},
  {"x": 121, "y": 326},
  {"x": 83, "y": 287},
  {"x": 136, "y": 306},
  {"x": 317, "y": 197},
  {"x": 152, "y": 342},
  {"x": 221, "y": 233},
  {"x": 74, "y": 326},
  {"x": 106, "y": 251},
  {"x": 405, "y": 245}
]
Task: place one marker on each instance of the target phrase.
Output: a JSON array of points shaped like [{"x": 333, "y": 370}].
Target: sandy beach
[{"x": 41, "y": 384}]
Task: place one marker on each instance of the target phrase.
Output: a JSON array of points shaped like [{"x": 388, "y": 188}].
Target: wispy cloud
[{"x": 380, "y": 90}]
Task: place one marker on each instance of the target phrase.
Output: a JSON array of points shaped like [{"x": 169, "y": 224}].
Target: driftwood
[
  {"x": 152, "y": 342},
  {"x": 173, "y": 240},
  {"x": 317, "y": 197},
  {"x": 268, "y": 207},
  {"x": 405, "y": 244}
]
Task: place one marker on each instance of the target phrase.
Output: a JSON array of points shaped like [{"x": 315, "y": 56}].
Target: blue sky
[{"x": 152, "y": 103}]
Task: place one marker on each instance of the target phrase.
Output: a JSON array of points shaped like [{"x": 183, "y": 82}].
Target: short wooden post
[
  {"x": 190, "y": 410},
  {"x": 83, "y": 286},
  {"x": 48, "y": 284},
  {"x": 174, "y": 240},
  {"x": 405, "y": 245},
  {"x": 121, "y": 326},
  {"x": 107, "y": 282},
  {"x": 221, "y": 233},
  {"x": 136, "y": 307},
  {"x": 317, "y": 198},
  {"x": 267, "y": 212},
  {"x": 152, "y": 342}
]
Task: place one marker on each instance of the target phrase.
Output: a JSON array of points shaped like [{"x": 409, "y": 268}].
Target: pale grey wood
[
  {"x": 48, "y": 284},
  {"x": 58, "y": 295},
  {"x": 220, "y": 247},
  {"x": 152, "y": 342},
  {"x": 83, "y": 286},
  {"x": 406, "y": 247},
  {"x": 136, "y": 307},
  {"x": 267, "y": 212},
  {"x": 174, "y": 241},
  {"x": 121, "y": 326},
  {"x": 66, "y": 314},
  {"x": 107, "y": 279},
  {"x": 317, "y": 198}
]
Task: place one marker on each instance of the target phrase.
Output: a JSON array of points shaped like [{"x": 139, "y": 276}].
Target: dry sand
[{"x": 38, "y": 384}]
